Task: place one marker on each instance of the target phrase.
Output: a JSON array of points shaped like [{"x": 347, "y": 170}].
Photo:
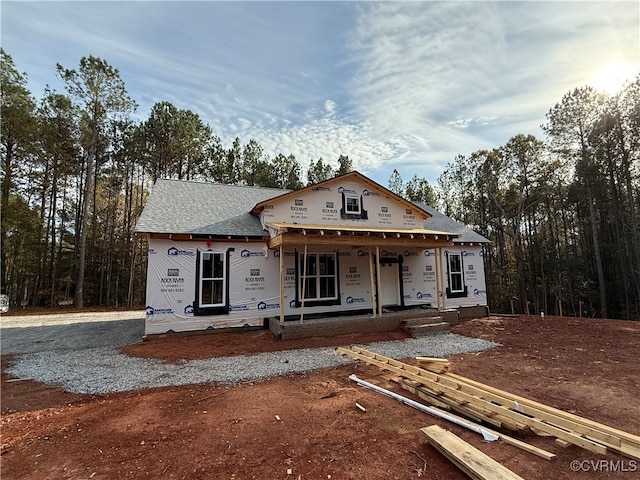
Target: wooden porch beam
[{"x": 289, "y": 239}]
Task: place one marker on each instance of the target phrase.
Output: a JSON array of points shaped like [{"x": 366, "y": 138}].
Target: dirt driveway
[{"x": 307, "y": 426}]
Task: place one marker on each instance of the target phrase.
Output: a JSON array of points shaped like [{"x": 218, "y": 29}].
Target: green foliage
[
  {"x": 319, "y": 172},
  {"x": 345, "y": 165},
  {"x": 416, "y": 190},
  {"x": 396, "y": 185},
  {"x": 419, "y": 190}
]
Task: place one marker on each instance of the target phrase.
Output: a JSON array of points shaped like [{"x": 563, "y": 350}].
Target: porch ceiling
[{"x": 286, "y": 234}]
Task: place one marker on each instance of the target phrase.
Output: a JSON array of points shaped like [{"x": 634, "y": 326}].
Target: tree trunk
[
  {"x": 596, "y": 251},
  {"x": 84, "y": 217}
]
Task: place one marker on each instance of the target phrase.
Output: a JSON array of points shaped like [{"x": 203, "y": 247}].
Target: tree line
[
  {"x": 562, "y": 214},
  {"x": 76, "y": 170}
]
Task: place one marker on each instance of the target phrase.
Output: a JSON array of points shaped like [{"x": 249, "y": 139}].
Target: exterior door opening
[{"x": 391, "y": 294}]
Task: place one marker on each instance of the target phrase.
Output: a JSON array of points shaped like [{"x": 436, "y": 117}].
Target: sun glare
[{"x": 611, "y": 76}]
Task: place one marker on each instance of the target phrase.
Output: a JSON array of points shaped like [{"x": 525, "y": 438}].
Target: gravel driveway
[
  {"x": 82, "y": 356},
  {"x": 71, "y": 331}
]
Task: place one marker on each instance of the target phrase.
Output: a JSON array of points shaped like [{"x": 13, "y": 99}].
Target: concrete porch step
[
  {"x": 423, "y": 320},
  {"x": 429, "y": 328}
]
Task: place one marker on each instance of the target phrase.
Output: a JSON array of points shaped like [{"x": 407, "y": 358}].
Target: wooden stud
[
  {"x": 466, "y": 457},
  {"x": 373, "y": 284},
  {"x": 379, "y": 283},
  {"x": 281, "y": 285},
  {"x": 513, "y": 441},
  {"x": 304, "y": 282}
]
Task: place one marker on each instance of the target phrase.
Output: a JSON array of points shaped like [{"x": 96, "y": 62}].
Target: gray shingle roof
[
  {"x": 441, "y": 222},
  {"x": 178, "y": 206},
  {"x": 200, "y": 208}
]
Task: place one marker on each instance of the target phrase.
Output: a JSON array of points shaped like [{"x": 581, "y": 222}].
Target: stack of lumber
[
  {"x": 437, "y": 365},
  {"x": 484, "y": 403}
]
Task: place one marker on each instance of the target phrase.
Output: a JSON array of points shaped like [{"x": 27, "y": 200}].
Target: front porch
[{"x": 364, "y": 323}]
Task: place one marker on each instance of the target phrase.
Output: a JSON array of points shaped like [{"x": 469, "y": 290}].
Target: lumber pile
[{"x": 501, "y": 409}]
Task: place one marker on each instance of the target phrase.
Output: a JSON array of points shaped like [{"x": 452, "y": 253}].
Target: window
[
  {"x": 352, "y": 205},
  {"x": 455, "y": 278},
  {"x": 211, "y": 284},
  {"x": 320, "y": 282}
]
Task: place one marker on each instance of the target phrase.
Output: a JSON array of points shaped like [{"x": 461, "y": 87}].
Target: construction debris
[
  {"x": 489, "y": 437},
  {"x": 360, "y": 407},
  {"x": 467, "y": 458},
  {"x": 502, "y": 409}
]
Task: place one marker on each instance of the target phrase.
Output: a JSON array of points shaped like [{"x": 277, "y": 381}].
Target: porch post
[
  {"x": 441, "y": 291},
  {"x": 373, "y": 285},
  {"x": 438, "y": 279},
  {"x": 281, "y": 285},
  {"x": 304, "y": 281},
  {"x": 379, "y": 284}
]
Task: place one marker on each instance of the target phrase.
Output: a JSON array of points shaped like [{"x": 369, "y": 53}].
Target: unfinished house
[{"x": 346, "y": 254}]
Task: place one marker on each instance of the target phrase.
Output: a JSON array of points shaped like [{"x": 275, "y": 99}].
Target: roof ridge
[{"x": 204, "y": 182}]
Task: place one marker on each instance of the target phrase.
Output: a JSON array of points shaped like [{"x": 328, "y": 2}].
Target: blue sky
[{"x": 405, "y": 85}]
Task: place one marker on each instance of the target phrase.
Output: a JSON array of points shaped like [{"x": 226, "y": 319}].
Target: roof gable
[
  {"x": 351, "y": 176},
  {"x": 347, "y": 201}
]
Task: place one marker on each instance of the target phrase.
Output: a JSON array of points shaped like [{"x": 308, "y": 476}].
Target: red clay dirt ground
[{"x": 584, "y": 366}]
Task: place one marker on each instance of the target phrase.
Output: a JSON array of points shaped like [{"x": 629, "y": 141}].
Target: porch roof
[{"x": 356, "y": 235}]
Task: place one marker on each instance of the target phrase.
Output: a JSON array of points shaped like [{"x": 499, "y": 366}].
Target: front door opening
[{"x": 390, "y": 283}]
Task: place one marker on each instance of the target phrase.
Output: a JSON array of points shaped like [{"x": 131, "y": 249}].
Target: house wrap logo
[
  {"x": 351, "y": 300},
  {"x": 428, "y": 253},
  {"x": 478, "y": 293},
  {"x": 157, "y": 311},
  {"x": 407, "y": 253},
  {"x": 173, "y": 251},
  {"x": 345, "y": 190},
  {"x": 468, "y": 254},
  {"x": 188, "y": 310},
  {"x": 238, "y": 308},
  {"x": 420, "y": 295},
  {"x": 264, "y": 305},
  {"x": 247, "y": 253},
  {"x": 368, "y": 193}
]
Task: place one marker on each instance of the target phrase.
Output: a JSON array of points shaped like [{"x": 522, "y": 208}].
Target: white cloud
[{"x": 404, "y": 85}]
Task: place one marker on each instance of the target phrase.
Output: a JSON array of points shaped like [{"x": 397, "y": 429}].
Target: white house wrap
[{"x": 347, "y": 245}]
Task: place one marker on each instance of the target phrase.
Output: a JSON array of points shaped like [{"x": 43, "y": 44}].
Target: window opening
[
  {"x": 455, "y": 273},
  {"x": 320, "y": 281},
  {"x": 352, "y": 205},
  {"x": 212, "y": 279}
]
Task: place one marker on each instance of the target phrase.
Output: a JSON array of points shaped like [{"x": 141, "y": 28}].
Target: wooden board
[
  {"x": 466, "y": 457},
  {"x": 431, "y": 360},
  {"x": 527, "y": 447}
]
